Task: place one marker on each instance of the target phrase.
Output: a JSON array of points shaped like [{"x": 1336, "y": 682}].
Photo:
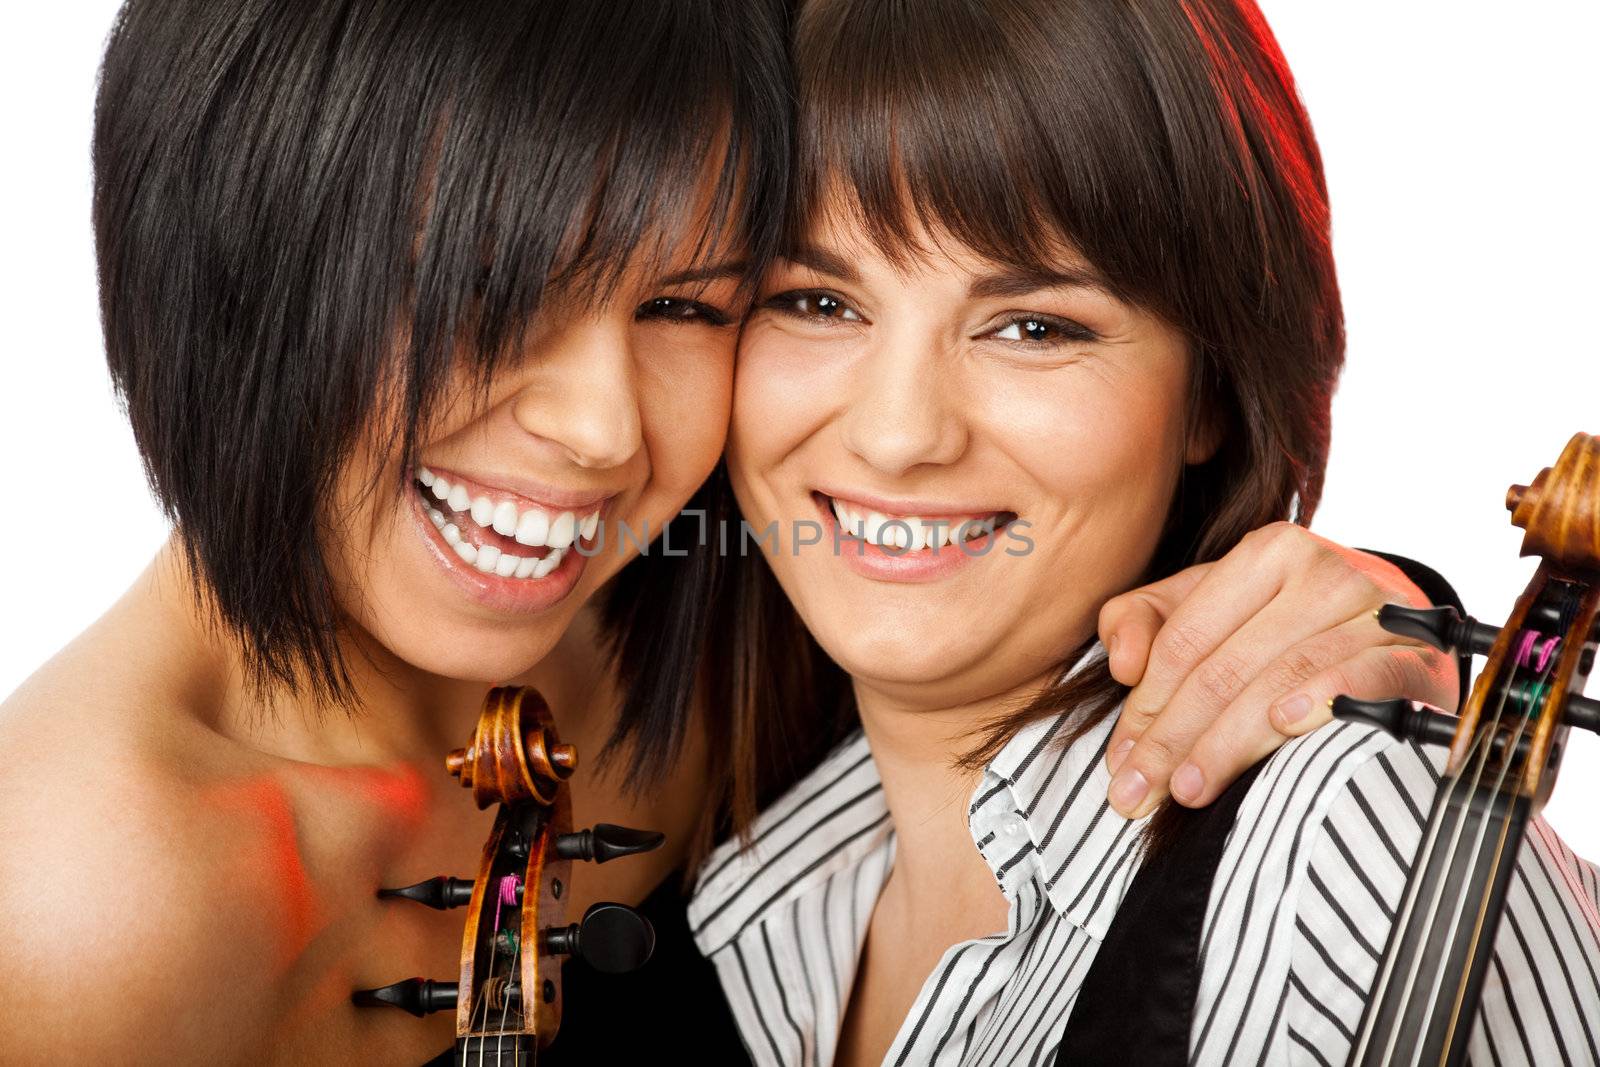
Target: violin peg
[
  {"x": 607, "y": 842},
  {"x": 419, "y": 996},
  {"x": 1400, "y": 718},
  {"x": 441, "y": 893},
  {"x": 1444, "y": 628},
  {"x": 1584, "y": 714},
  {"x": 613, "y": 939}
]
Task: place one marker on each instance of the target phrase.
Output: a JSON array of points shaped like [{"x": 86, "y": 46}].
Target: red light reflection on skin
[
  {"x": 269, "y": 855},
  {"x": 267, "y": 859}
]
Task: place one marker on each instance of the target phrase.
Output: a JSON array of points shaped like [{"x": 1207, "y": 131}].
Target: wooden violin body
[
  {"x": 507, "y": 999},
  {"x": 1505, "y": 750}
]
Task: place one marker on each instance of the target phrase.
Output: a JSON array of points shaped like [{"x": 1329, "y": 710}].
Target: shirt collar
[
  {"x": 1084, "y": 852},
  {"x": 832, "y": 820}
]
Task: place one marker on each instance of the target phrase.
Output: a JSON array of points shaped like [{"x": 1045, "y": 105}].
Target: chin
[
  {"x": 903, "y": 656},
  {"x": 491, "y": 657}
]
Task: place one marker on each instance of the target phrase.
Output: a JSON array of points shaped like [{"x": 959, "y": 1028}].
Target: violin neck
[{"x": 1424, "y": 1002}]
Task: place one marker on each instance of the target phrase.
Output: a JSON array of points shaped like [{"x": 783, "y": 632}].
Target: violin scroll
[{"x": 508, "y": 999}]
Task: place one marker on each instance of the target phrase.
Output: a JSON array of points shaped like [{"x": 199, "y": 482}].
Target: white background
[{"x": 1459, "y": 146}]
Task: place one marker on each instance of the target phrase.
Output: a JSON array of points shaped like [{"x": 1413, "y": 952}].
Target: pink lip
[
  {"x": 549, "y": 498},
  {"x": 924, "y": 509},
  {"x": 873, "y": 561},
  {"x": 509, "y": 596}
]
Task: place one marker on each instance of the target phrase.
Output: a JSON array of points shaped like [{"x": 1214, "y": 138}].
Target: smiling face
[
  {"x": 611, "y": 415},
  {"x": 944, "y": 390}
]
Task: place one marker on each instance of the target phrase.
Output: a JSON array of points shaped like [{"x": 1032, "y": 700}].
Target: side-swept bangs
[{"x": 302, "y": 209}]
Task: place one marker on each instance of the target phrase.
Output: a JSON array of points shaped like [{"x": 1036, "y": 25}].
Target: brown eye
[
  {"x": 813, "y": 305},
  {"x": 1037, "y": 329},
  {"x": 674, "y": 309}
]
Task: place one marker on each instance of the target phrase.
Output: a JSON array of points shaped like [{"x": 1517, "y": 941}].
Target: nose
[
  {"x": 582, "y": 396},
  {"x": 902, "y": 412}
]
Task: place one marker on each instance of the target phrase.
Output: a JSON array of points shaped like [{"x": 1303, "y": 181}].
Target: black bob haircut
[{"x": 283, "y": 189}]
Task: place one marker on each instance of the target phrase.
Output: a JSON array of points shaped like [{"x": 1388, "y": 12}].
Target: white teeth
[
  {"x": 441, "y": 488},
  {"x": 505, "y": 518},
  {"x": 532, "y": 528},
  {"x": 452, "y": 535},
  {"x": 909, "y": 531},
  {"x": 589, "y": 525},
  {"x": 873, "y": 527},
  {"x": 466, "y": 551},
  {"x": 562, "y": 530},
  {"x": 548, "y": 564},
  {"x": 436, "y": 517},
  {"x": 425, "y": 476},
  {"x": 525, "y": 568},
  {"x": 483, "y": 511},
  {"x": 507, "y": 565},
  {"x": 458, "y": 498},
  {"x": 487, "y": 557}
]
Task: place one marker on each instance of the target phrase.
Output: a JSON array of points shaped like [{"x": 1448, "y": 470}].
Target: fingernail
[
  {"x": 1188, "y": 782},
  {"x": 1119, "y": 754},
  {"x": 1294, "y": 709},
  {"x": 1128, "y": 790}
]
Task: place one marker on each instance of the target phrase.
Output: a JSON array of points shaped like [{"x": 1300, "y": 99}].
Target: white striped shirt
[{"x": 1298, "y": 916}]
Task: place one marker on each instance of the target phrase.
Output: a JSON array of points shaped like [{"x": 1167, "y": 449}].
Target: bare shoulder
[{"x": 118, "y": 914}]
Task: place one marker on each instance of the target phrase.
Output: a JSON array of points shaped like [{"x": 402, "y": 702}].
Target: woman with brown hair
[{"x": 1058, "y": 315}]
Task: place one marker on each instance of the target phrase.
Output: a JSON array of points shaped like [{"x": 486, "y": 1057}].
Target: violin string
[
  {"x": 480, "y": 1031},
  {"x": 1482, "y": 744},
  {"x": 1477, "y": 753},
  {"x": 505, "y": 1003},
  {"x": 1544, "y": 667},
  {"x": 1504, "y": 819}
]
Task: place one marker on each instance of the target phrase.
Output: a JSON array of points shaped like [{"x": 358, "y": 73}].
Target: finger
[
  {"x": 1414, "y": 672},
  {"x": 1129, "y": 622},
  {"x": 1205, "y": 696},
  {"x": 1246, "y": 736},
  {"x": 1244, "y": 731},
  {"x": 1228, "y": 595}
]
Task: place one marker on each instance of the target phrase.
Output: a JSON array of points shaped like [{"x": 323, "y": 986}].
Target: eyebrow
[
  {"x": 1007, "y": 282},
  {"x": 824, "y": 262},
  {"x": 1014, "y": 281},
  {"x": 729, "y": 268}
]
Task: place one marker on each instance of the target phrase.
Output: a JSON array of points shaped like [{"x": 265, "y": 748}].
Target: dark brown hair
[{"x": 1164, "y": 142}]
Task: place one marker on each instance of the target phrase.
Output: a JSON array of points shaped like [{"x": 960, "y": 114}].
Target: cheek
[
  {"x": 1092, "y": 440},
  {"x": 685, "y": 392},
  {"x": 782, "y": 391}
]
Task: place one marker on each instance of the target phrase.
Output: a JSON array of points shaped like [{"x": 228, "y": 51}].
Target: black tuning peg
[
  {"x": 1444, "y": 628},
  {"x": 612, "y": 938},
  {"x": 1401, "y": 718},
  {"x": 607, "y": 842},
  {"x": 440, "y": 893},
  {"x": 419, "y": 996},
  {"x": 1584, "y": 714}
]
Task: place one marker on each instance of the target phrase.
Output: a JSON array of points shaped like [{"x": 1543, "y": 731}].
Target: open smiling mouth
[
  {"x": 912, "y": 533},
  {"x": 502, "y": 537}
]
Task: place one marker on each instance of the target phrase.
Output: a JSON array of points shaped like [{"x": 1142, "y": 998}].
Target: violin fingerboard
[{"x": 1418, "y": 1013}]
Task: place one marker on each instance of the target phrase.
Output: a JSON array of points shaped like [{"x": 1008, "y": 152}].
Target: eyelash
[
  {"x": 672, "y": 309},
  {"x": 787, "y": 303}
]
